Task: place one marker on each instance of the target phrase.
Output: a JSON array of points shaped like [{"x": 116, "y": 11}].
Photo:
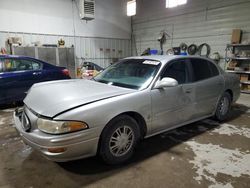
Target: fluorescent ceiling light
[
  {"x": 175, "y": 3},
  {"x": 131, "y": 8},
  {"x": 182, "y": 2},
  {"x": 172, "y": 3}
]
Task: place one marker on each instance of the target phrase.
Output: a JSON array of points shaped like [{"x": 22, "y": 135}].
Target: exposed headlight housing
[{"x": 60, "y": 127}]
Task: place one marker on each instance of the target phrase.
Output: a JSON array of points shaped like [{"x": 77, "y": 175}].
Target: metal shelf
[
  {"x": 238, "y": 72},
  {"x": 245, "y": 82},
  {"x": 245, "y": 91},
  {"x": 235, "y": 49},
  {"x": 238, "y": 45},
  {"x": 239, "y": 58}
]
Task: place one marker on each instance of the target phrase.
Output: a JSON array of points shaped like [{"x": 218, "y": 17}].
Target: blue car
[{"x": 19, "y": 73}]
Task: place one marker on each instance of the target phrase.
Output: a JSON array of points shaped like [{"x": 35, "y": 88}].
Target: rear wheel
[
  {"x": 223, "y": 107},
  {"x": 119, "y": 140}
]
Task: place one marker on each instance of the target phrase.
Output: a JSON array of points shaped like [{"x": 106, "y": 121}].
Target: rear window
[{"x": 89, "y": 67}]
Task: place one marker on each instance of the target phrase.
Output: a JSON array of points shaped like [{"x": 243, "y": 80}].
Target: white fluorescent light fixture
[
  {"x": 171, "y": 3},
  {"x": 175, "y": 3},
  {"x": 182, "y": 2},
  {"x": 131, "y": 8}
]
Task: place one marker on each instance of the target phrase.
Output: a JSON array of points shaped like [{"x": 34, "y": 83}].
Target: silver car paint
[
  {"x": 79, "y": 144},
  {"x": 60, "y": 96},
  {"x": 207, "y": 92},
  {"x": 171, "y": 106},
  {"x": 162, "y": 109}
]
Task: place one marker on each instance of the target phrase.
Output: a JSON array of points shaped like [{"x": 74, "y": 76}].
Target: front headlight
[{"x": 60, "y": 127}]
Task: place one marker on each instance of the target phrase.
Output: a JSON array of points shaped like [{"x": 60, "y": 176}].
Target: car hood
[{"x": 51, "y": 98}]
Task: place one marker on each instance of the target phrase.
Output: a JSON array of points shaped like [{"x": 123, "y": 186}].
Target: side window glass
[
  {"x": 30, "y": 65},
  {"x": 1, "y": 65},
  {"x": 201, "y": 69},
  {"x": 36, "y": 65},
  {"x": 177, "y": 70},
  {"x": 214, "y": 69},
  {"x": 24, "y": 65},
  {"x": 10, "y": 65}
]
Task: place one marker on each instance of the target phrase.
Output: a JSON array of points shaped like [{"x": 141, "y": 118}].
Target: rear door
[
  {"x": 18, "y": 76},
  {"x": 208, "y": 85},
  {"x": 34, "y": 71},
  {"x": 2, "y": 78},
  {"x": 173, "y": 105}
]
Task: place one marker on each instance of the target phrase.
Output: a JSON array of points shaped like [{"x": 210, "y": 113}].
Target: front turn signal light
[{"x": 60, "y": 127}]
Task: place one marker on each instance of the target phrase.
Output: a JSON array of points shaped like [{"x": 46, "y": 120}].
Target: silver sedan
[{"x": 133, "y": 99}]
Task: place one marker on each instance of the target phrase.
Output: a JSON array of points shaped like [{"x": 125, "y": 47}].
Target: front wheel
[
  {"x": 119, "y": 139},
  {"x": 223, "y": 107}
]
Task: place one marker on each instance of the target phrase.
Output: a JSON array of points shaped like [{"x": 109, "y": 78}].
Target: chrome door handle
[
  {"x": 188, "y": 90},
  {"x": 37, "y": 73}
]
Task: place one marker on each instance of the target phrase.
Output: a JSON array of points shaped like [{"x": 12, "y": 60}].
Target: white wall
[
  {"x": 49, "y": 20},
  {"x": 55, "y": 17},
  {"x": 198, "y": 21}
]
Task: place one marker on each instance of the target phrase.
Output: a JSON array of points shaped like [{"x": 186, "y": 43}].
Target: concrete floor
[{"x": 202, "y": 154}]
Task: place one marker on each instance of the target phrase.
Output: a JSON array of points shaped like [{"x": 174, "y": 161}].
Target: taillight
[
  {"x": 91, "y": 72},
  {"x": 65, "y": 72}
]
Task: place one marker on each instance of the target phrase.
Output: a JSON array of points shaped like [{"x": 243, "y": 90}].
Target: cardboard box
[
  {"x": 244, "y": 87},
  {"x": 244, "y": 77},
  {"x": 231, "y": 65},
  {"x": 236, "y": 36}
]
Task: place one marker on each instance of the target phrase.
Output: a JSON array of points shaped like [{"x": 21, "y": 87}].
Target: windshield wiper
[{"x": 102, "y": 81}]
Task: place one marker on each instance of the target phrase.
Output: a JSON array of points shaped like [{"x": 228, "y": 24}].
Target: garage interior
[{"x": 206, "y": 153}]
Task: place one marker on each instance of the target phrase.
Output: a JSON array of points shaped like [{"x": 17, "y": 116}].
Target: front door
[{"x": 173, "y": 105}]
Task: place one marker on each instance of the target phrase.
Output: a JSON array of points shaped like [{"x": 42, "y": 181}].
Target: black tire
[
  {"x": 192, "y": 49},
  {"x": 224, "y": 102},
  {"x": 112, "y": 156}
]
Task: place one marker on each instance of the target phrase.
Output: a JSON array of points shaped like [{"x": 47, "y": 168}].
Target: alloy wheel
[
  {"x": 224, "y": 105},
  {"x": 121, "y": 141}
]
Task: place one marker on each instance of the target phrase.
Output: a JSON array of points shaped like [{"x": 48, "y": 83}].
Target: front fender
[{"x": 99, "y": 113}]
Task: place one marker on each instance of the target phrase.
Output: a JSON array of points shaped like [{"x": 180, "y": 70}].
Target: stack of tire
[{"x": 192, "y": 49}]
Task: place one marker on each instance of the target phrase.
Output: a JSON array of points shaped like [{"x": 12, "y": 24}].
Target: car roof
[
  {"x": 15, "y": 56},
  {"x": 165, "y": 58},
  {"x": 24, "y": 57}
]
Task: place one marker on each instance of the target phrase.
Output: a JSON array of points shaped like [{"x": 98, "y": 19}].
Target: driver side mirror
[{"x": 166, "y": 82}]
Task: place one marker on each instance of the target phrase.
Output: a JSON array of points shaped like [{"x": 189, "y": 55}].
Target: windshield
[{"x": 130, "y": 73}]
